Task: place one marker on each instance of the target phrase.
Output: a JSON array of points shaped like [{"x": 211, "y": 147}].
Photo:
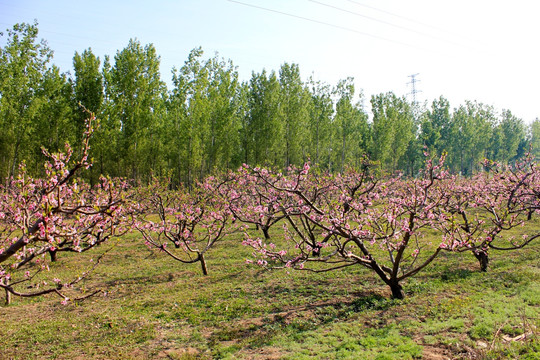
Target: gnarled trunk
[
  {"x": 53, "y": 255},
  {"x": 203, "y": 264},
  {"x": 8, "y": 297},
  {"x": 397, "y": 290},
  {"x": 265, "y": 232},
  {"x": 483, "y": 259}
]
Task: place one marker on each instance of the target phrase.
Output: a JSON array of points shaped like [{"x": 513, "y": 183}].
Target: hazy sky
[{"x": 484, "y": 50}]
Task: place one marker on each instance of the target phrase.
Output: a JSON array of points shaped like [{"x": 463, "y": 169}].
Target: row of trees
[
  {"x": 390, "y": 225},
  {"x": 211, "y": 121}
]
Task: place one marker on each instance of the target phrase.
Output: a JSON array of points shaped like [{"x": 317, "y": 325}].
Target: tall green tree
[
  {"x": 435, "y": 126},
  {"x": 471, "y": 130},
  {"x": 54, "y": 124},
  {"x": 393, "y": 128},
  {"x": 295, "y": 101},
  {"x": 535, "y": 138},
  {"x": 461, "y": 130},
  {"x": 206, "y": 116},
  {"x": 223, "y": 129},
  {"x": 88, "y": 84},
  {"x": 184, "y": 102},
  {"x": 88, "y": 91},
  {"x": 264, "y": 126},
  {"x": 244, "y": 136},
  {"x": 320, "y": 122},
  {"x": 513, "y": 133},
  {"x": 134, "y": 93},
  {"x": 350, "y": 124},
  {"x": 23, "y": 64}
]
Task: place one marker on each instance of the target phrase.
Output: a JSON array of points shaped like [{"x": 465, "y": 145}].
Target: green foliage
[
  {"x": 294, "y": 103},
  {"x": 209, "y": 121},
  {"x": 263, "y": 126},
  {"x": 471, "y": 129},
  {"x": 535, "y": 138},
  {"x": 135, "y": 95},
  {"x": 351, "y": 127},
  {"x": 435, "y": 129},
  {"x": 320, "y": 124},
  {"x": 23, "y": 65},
  {"x": 393, "y": 129}
]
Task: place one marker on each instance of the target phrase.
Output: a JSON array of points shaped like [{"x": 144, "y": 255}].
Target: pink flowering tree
[
  {"x": 56, "y": 214},
  {"x": 393, "y": 227},
  {"x": 346, "y": 220},
  {"x": 523, "y": 179},
  {"x": 482, "y": 209},
  {"x": 185, "y": 225},
  {"x": 251, "y": 201}
]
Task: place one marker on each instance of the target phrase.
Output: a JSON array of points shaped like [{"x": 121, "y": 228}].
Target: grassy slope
[{"x": 156, "y": 308}]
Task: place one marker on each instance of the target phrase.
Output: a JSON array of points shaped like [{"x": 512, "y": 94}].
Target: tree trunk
[
  {"x": 397, "y": 291},
  {"x": 483, "y": 259},
  {"x": 203, "y": 264},
  {"x": 15, "y": 159},
  {"x": 287, "y": 160},
  {"x": 53, "y": 255},
  {"x": 317, "y": 151},
  {"x": 8, "y": 297},
  {"x": 265, "y": 232},
  {"x": 461, "y": 163},
  {"x": 101, "y": 164},
  {"x": 343, "y": 153},
  {"x": 189, "y": 165}
]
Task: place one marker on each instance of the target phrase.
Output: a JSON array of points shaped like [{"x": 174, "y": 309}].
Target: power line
[
  {"x": 384, "y": 22},
  {"x": 395, "y": 15},
  {"x": 366, "y": 17},
  {"x": 409, "y": 20},
  {"x": 325, "y": 23}
]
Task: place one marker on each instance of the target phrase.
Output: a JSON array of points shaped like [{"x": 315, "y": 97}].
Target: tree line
[
  {"x": 210, "y": 121},
  {"x": 392, "y": 226}
]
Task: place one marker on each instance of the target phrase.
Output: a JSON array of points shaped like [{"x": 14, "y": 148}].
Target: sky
[{"x": 478, "y": 50}]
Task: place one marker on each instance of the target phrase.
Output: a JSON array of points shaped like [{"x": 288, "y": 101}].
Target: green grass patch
[{"x": 154, "y": 307}]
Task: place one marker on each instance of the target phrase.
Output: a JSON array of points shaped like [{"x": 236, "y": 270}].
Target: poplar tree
[
  {"x": 471, "y": 130},
  {"x": 88, "y": 91},
  {"x": 264, "y": 125},
  {"x": 295, "y": 111},
  {"x": 135, "y": 90},
  {"x": 54, "y": 125},
  {"x": 23, "y": 64},
  {"x": 186, "y": 105},
  {"x": 435, "y": 126},
  {"x": 350, "y": 123},
  {"x": 535, "y": 138},
  {"x": 223, "y": 137},
  {"x": 392, "y": 128},
  {"x": 513, "y": 132},
  {"x": 320, "y": 122}
]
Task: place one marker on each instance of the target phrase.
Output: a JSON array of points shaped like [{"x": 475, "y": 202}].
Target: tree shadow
[
  {"x": 296, "y": 320},
  {"x": 456, "y": 274}
]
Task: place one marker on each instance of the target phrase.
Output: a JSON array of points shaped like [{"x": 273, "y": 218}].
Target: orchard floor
[{"x": 156, "y": 308}]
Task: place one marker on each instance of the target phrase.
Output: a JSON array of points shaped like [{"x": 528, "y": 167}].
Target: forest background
[{"x": 210, "y": 121}]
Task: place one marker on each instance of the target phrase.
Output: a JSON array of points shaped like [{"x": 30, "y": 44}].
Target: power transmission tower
[
  {"x": 414, "y": 90},
  {"x": 413, "y": 93}
]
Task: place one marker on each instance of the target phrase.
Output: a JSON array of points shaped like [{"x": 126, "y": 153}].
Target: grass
[{"x": 156, "y": 308}]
